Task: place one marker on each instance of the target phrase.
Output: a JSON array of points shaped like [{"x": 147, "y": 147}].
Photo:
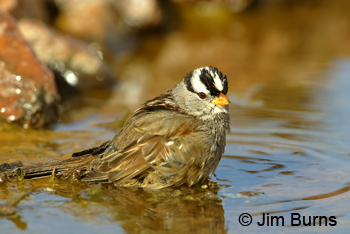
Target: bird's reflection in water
[
  {"x": 149, "y": 211},
  {"x": 136, "y": 210},
  {"x": 161, "y": 211}
]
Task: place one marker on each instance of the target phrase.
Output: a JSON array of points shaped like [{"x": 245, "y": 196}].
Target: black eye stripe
[
  {"x": 188, "y": 83},
  {"x": 224, "y": 82},
  {"x": 208, "y": 81}
]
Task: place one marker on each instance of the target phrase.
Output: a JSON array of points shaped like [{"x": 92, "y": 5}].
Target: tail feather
[
  {"x": 10, "y": 166},
  {"x": 67, "y": 166},
  {"x": 79, "y": 161}
]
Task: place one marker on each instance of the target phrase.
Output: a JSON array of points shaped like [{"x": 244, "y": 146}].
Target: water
[
  {"x": 288, "y": 150},
  {"x": 277, "y": 162},
  {"x": 297, "y": 161}
]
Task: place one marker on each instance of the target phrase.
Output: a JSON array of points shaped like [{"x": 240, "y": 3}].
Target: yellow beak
[{"x": 221, "y": 100}]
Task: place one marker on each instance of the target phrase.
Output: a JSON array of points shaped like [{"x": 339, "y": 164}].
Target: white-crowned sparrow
[{"x": 174, "y": 139}]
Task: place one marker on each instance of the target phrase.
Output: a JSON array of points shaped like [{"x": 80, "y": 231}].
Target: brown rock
[
  {"x": 39, "y": 9},
  {"x": 28, "y": 92},
  {"x": 88, "y": 20},
  {"x": 8, "y": 5},
  {"x": 80, "y": 64},
  {"x": 110, "y": 23}
]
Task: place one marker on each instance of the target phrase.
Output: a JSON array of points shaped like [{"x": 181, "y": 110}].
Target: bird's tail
[
  {"x": 78, "y": 163},
  {"x": 62, "y": 167}
]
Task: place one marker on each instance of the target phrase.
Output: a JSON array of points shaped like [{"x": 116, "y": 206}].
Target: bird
[{"x": 174, "y": 139}]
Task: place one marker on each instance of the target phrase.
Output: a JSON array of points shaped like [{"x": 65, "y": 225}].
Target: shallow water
[{"x": 288, "y": 150}]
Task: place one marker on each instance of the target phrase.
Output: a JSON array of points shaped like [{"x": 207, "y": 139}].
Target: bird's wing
[{"x": 145, "y": 144}]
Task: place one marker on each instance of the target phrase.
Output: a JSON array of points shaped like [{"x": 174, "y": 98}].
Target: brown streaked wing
[{"x": 143, "y": 140}]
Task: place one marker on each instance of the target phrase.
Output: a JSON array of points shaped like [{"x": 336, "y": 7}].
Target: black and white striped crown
[{"x": 208, "y": 80}]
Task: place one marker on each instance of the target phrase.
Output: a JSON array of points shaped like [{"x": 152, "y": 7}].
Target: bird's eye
[{"x": 202, "y": 95}]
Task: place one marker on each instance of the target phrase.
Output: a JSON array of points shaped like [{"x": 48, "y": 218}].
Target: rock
[
  {"x": 139, "y": 14},
  {"x": 232, "y": 5},
  {"x": 81, "y": 65},
  {"x": 28, "y": 92},
  {"x": 8, "y": 5},
  {"x": 111, "y": 23},
  {"x": 43, "y": 10},
  {"x": 89, "y": 20}
]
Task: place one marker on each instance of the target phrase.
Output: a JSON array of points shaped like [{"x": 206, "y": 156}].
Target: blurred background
[
  {"x": 106, "y": 54},
  {"x": 72, "y": 71}
]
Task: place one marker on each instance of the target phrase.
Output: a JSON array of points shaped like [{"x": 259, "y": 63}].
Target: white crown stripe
[
  {"x": 209, "y": 70},
  {"x": 197, "y": 84},
  {"x": 218, "y": 83}
]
